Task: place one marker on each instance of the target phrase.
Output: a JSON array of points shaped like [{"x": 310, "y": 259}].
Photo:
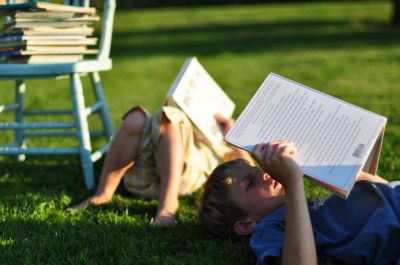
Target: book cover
[
  {"x": 7, "y": 5},
  {"x": 44, "y": 14},
  {"x": 13, "y": 2},
  {"x": 335, "y": 139},
  {"x": 200, "y": 97},
  {"x": 14, "y": 20},
  {"x": 49, "y": 51},
  {"x": 21, "y": 37},
  {"x": 30, "y": 59},
  {"x": 48, "y": 42},
  {"x": 56, "y": 24},
  {"x": 49, "y": 31}
]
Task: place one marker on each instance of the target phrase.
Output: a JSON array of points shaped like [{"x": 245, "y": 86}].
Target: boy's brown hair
[{"x": 218, "y": 212}]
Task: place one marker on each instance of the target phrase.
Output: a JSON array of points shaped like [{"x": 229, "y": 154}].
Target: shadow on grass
[
  {"x": 90, "y": 242},
  {"x": 44, "y": 172},
  {"x": 45, "y": 183},
  {"x": 36, "y": 229},
  {"x": 252, "y": 38}
]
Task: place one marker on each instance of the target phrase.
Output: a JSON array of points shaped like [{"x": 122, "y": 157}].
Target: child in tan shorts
[{"x": 159, "y": 156}]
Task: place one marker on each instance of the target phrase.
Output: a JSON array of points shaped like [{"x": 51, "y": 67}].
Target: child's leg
[
  {"x": 120, "y": 156},
  {"x": 170, "y": 165},
  {"x": 119, "y": 159}
]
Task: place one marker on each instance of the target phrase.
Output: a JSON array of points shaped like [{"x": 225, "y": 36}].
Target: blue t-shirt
[{"x": 364, "y": 229}]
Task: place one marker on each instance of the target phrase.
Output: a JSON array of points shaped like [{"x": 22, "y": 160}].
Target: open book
[
  {"x": 199, "y": 96},
  {"x": 335, "y": 140}
]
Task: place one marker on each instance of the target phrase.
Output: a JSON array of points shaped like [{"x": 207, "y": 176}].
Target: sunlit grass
[{"x": 346, "y": 49}]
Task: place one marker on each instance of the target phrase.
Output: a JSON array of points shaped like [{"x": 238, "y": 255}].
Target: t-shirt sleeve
[{"x": 267, "y": 241}]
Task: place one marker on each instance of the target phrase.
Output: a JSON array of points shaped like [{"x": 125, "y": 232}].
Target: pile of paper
[{"x": 41, "y": 32}]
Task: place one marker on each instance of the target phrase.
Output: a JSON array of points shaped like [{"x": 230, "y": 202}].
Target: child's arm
[
  {"x": 237, "y": 153},
  {"x": 277, "y": 160},
  {"x": 367, "y": 176}
]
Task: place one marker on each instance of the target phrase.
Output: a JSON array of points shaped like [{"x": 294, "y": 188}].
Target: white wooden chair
[{"x": 80, "y": 112}]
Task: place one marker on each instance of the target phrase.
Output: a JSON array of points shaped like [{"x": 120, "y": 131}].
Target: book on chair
[
  {"x": 39, "y": 32},
  {"x": 196, "y": 93},
  {"x": 33, "y": 4},
  {"x": 47, "y": 58},
  {"x": 335, "y": 140}
]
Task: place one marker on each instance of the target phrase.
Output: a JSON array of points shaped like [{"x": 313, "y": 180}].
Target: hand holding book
[
  {"x": 225, "y": 123},
  {"x": 196, "y": 93},
  {"x": 277, "y": 159},
  {"x": 335, "y": 139}
]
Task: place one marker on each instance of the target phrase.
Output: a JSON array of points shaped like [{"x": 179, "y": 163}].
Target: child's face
[{"x": 256, "y": 192}]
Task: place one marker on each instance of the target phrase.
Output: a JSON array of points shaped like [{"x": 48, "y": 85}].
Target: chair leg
[
  {"x": 19, "y": 117},
  {"x": 104, "y": 113},
  {"x": 82, "y": 129}
]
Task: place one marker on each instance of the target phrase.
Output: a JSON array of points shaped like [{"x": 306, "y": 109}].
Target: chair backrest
[{"x": 106, "y": 27}]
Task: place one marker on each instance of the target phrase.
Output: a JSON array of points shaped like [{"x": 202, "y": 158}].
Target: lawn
[{"x": 346, "y": 49}]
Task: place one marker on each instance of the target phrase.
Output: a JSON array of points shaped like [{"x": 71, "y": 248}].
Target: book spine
[
  {"x": 11, "y": 38},
  {"x": 7, "y": 5},
  {"x": 9, "y": 53}
]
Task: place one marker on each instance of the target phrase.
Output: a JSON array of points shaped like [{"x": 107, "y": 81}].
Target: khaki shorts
[{"x": 199, "y": 159}]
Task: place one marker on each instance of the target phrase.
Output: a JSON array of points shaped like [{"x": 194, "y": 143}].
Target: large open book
[
  {"x": 335, "y": 140},
  {"x": 200, "y": 97}
]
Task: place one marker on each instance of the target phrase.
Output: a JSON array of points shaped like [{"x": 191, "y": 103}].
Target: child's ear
[{"x": 244, "y": 227}]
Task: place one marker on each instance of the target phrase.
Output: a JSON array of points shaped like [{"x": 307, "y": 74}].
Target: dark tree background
[
  {"x": 123, "y": 4},
  {"x": 163, "y": 3},
  {"x": 396, "y": 12}
]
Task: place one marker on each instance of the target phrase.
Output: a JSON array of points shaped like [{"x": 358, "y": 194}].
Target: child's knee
[
  {"x": 134, "y": 121},
  {"x": 167, "y": 124}
]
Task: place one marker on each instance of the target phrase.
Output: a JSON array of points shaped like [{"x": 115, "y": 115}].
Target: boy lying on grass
[
  {"x": 159, "y": 156},
  {"x": 270, "y": 204}
]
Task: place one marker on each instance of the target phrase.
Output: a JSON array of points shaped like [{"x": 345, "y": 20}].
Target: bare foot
[
  {"x": 94, "y": 200},
  {"x": 100, "y": 199},
  {"x": 165, "y": 219}
]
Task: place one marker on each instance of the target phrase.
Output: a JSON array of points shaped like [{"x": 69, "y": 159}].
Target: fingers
[
  {"x": 225, "y": 123},
  {"x": 259, "y": 151},
  {"x": 289, "y": 149},
  {"x": 221, "y": 119},
  {"x": 218, "y": 117},
  {"x": 277, "y": 159},
  {"x": 267, "y": 151}
]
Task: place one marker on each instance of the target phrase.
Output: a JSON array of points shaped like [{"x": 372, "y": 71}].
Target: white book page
[
  {"x": 333, "y": 137},
  {"x": 200, "y": 97}
]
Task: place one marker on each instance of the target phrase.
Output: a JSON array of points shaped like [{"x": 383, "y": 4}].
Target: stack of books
[{"x": 41, "y": 32}]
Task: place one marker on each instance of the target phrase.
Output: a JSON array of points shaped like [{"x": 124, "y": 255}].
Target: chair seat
[{"x": 27, "y": 71}]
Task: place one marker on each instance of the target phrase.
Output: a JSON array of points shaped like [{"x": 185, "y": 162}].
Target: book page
[
  {"x": 371, "y": 165},
  {"x": 332, "y": 137},
  {"x": 200, "y": 97}
]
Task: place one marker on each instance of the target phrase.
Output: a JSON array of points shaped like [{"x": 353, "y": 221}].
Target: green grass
[{"x": 346, "y": 49}]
